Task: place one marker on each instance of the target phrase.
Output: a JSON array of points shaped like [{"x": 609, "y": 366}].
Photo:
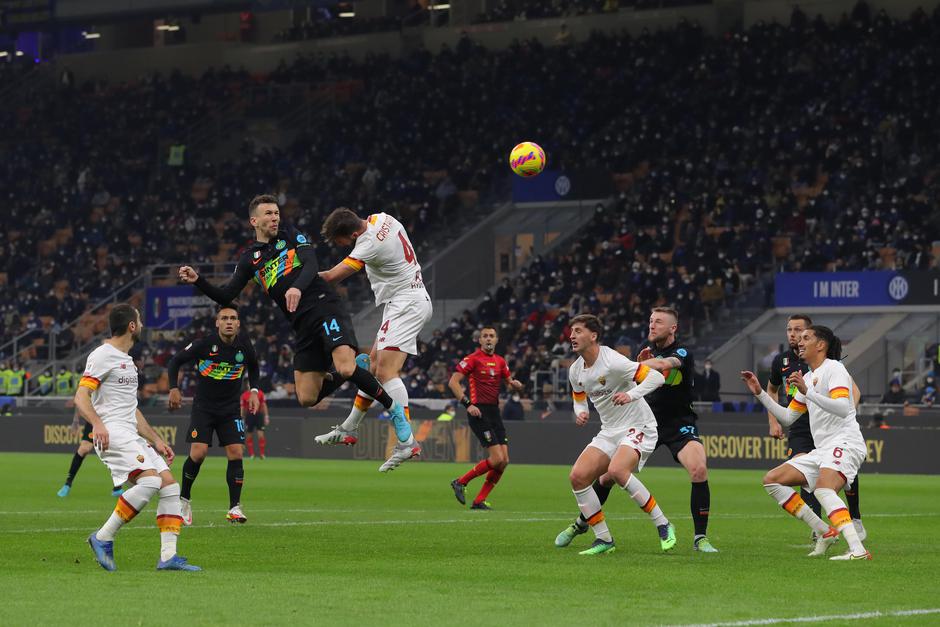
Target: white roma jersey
[
  {"x": 610, "y": 374},
  {"x": 389, "y": 259},
  {"x": 112, "y": 377},
  {"x": 831, "y": 380}
]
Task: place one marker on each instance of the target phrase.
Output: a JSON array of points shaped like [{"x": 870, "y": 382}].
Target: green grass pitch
[{"x": 340, "y": 543}]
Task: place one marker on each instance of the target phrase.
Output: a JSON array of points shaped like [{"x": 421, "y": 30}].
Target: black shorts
[
  {"x": 86, "y": 433},
  {"x": 229, "y": 428},
  {"x": 319, "y": 331},
  {"x": 799, "y": 437},
  {"x": 676, "y": 434},
  {"x": 254, "y": 422},
  {"x": 489, "y": 427}
]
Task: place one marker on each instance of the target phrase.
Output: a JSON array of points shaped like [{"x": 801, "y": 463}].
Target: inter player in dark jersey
[
  {"x": 85, "y": 446},
  {"x": 486, "y": 372},
  {"x": 255, "y": 422},
  {"x": 222, "y": 360},
  {"x": 799, "y": 437}
]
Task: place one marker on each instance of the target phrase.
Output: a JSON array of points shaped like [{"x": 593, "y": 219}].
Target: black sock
[
  {"x": 810, "y": 499},
  {"x": 701, "y": 503},
  {"x": 851, "y": 496},
  {"x": 73, "y": 469},
  {"x": 368, "y": 384},
  {"x": 330, "y": 385},
  {"x": 190, "y": 471},
  {"x": 602, "y": 492},
  {"x": 235, "y": 476}
]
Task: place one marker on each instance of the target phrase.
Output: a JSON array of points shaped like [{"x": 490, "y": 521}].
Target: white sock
[
  {"x": 359, "y": 410},
  {"x": 642, "y": 497},
  {"x": 169, "y": 520},
  {"x": 840, "y": 518},
  {"x": 128, "y": 505},
  {"x": 399, "y": 393},
  {"x": 790, "y": 500},
  {"x": 590, "y": 506}
]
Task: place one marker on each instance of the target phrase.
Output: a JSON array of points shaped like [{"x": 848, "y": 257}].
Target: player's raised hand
[
  {"x": 622, "y": 398},
  {"x": 750, "y": 380},
  {"x": 188, "y": 275},
  {"x": 101, "y": 437},
  {"x": 796, "y": 378},
  {"x": 292, "y": 296},
  {"x": 582, "y": 419},
  {"x": 474, "y": 411},
  {"x": 643, "y": 355},
  {"x": 175, "y": 401}
]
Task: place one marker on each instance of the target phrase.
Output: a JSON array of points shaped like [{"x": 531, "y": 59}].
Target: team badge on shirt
[
  {"x": 281, "y": 244},
  {"x": 786, "y": 362},
  {"x": 194, "y": 433},
  {"x": 239, "y": 357},
  {"x": 140, "y": 458},
  {"x": 602, "y": 380},
  {"x": 301, "y": 239}
]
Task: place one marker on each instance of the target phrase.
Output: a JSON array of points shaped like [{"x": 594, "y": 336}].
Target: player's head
[
  {"x": 226, "y": 321},
  {"x": 342, "y": 227},
  {"x": 585, "y": 332},
  {"x": 124, "y": 319},
  {"x": 663, "y": 324},
  {"x": 264, "y": 215},
  {"x": 818, "y": 343},
  {"x": 488, "y": 339},
  {"x": 796, "y": 324}
]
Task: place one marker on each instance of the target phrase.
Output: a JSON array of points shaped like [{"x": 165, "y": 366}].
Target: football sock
[
  {"x": 261, "y": 444},
  {"x": 330, "y": 385},
  {"x": 397, "y": 390},
  {"x": 840, "y": 518},
  {"x": 129, "y": 505},
  {"x": 590, "y": 507},
  {"x": 359, "y": 409},
  {"x": 700, "y": 503},
  {"x": 250, "y": 445},
  {"x": 73, "y": 469},
  {"x": 235, "y": 477},
  {"x": 481, "y": 468},
  {"x": 790, "y": 501},
  {"x": 367, "y": 383},
  {"x": 642, "y": 497},
  {"x": 602, "y": 491},
  {"x": 169, "y": 520},
  {"x": 810, "y": 499},
  {"x": 492, "y": 478},
  {"x": 190, "y": 472},
  {"x": 851, "y": 497}
]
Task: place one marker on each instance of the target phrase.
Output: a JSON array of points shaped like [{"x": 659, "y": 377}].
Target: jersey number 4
[{"x": 409, "y": 251}]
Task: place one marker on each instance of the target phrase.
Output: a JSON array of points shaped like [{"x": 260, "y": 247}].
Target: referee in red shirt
[{"x": 486, "y": 371}]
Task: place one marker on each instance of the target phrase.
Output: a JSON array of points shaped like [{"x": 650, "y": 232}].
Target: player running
[
  {"x": 255, "y": 421},
  {"x": 107, "y": 398},
  {"x": 616, "y": 387},
  {"x": 85, "y": 446},
  {"x": 222, "y": 360},
  {"x": 799, "y": 437},
  {"x": 486, "y": 371},
  {"x": 381, "y": 246},
  {"x": 826, "y": 392},
  {"x": 284, "y": 264}
]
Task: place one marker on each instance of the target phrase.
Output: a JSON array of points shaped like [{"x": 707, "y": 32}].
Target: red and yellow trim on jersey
[
  {"x": 641, "y": 373},
  {"x": 794, "y": 504},
  {"x": 89, "y": 382},
  {"x": 839, "y": 392},
  {"x": 124, "y": 509},
  {"x": 373, "y": 218},
  {"x": 596, "y": 518},
  {"x": 796, "y": 405},
  {"x": 650, "y": 504},
  {"x": 354, "y": 263},
  {"x": 169, "y": 523},
  {"x": 579, "y": 397},
  {"x": 840, "y": 518}
]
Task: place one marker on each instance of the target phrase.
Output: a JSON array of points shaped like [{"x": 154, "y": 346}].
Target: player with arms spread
[
  {"x": 381, "y": 246},
  {"x": 284, "y": 264},
  {"x": 840, "y": 447},
  {"x": 107, "y": 398},
  {"x": 486, "y": 371},
  {"x": 617, "y": 387},
  {"x": 222, "y": 360}
]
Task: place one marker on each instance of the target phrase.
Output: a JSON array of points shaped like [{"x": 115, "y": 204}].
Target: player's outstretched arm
[
  {"x": 222, "y": 294},
  {"x": 776, "y": 431},
  {"x": 785, "y": 415},
  {"x": 662, "y": 364},
  {"x": 340, "y": 271}
]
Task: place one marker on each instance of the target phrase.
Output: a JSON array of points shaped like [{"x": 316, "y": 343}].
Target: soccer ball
[{"x": 527, "y": 159}]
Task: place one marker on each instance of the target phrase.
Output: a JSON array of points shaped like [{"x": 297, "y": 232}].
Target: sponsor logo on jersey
[{"x": 682, "y": 352}]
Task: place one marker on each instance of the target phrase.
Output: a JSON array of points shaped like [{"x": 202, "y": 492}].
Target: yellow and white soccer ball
[{"x": 527, "y": 159}]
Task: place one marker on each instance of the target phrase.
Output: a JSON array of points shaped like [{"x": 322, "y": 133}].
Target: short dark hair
[
  {"x": 489, "y": 326},
  {"x": 590, "y": 322},
  {"x": 804, "y": 317},
  {"x": 261, "y": 199},
  {"x": 667, "y": 310},
  {"x": 342, "y": 222},
  {"x": 119, "y": 317},
  {"x": 224, "y": 307},
  {"x": 833, "y": 343}
]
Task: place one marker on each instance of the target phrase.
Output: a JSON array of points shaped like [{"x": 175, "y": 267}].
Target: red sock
[
  {"x": 261, "y": 444},
  {"x": 492, "y": 478},
  {"x": 251, "y": 447},
  {"x": 476, "y": 471}
]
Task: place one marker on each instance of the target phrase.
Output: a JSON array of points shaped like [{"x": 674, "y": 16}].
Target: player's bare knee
[
  {"x": 579, "y": 480},
  {"x": 234, "y": 452},
  {"x": 307, "y": 399},
  {"x": 345, "y": 369},
  {"x": 698, "y": 473}
]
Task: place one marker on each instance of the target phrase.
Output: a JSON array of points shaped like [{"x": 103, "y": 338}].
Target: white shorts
[
  {"x": 642, "y": 439},
  {"x": 128, "y": 456},
  {"x": 845, "y": 461},
  {"x": 402, "y": 321}
]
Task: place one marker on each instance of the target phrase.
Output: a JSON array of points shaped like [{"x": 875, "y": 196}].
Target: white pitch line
[{"x": 818, "y": 619}]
